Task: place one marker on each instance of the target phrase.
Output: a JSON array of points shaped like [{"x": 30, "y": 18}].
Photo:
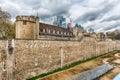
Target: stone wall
[
  {"x": 33, "y": 57},
  {"x": 3, "y": 58},
  {"x": 27, "y": 27}
]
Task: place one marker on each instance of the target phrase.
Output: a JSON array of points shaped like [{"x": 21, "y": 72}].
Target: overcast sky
[{"x": 101, "y": 15}]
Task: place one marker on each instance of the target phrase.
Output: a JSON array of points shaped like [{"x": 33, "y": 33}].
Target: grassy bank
[{"x": 71, "y": 65}]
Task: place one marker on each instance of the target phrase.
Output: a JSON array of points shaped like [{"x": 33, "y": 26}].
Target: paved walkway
[
  {"x": 110, "y": 75},
  {"x": 93, "y": 74}
]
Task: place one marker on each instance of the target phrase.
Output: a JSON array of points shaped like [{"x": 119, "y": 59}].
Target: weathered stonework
[
  {"x": 34, "y": 57},
  {"x": 3, "y": 59},
  {"x": 27, "y": 27}
]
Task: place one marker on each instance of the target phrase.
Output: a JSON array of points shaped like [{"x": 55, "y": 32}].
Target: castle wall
[
  {"x": 40, "y": 56},
  {"x": 3, "y": 58},
  {"x": 33, "y": 57}
]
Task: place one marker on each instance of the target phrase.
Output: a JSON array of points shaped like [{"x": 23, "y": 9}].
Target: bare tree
[
  {"x": 5, "y": 25},
  {"x": 4, "y": 16}
]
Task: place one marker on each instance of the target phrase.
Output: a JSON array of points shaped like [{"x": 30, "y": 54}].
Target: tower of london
[{"x": 27, "y": 27}]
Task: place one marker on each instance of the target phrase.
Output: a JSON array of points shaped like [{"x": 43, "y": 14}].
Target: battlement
[
  {"x": 27, "y": 18},
  {"x": 27, "y": 27}
]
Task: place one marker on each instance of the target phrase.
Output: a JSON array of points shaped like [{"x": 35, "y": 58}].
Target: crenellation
[{"x": 26, "y": 18}]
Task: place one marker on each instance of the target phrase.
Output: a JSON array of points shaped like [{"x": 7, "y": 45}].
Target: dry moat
[{"x": 112, "y": 59}]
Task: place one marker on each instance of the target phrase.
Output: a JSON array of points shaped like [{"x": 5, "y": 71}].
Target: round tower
[{"x": 27, "y": 27}]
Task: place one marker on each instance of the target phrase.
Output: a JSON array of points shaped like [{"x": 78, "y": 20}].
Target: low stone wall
[{"x": 34, "y": 57}]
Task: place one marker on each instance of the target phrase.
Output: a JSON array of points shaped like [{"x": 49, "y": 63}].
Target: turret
[{"x": 27, "y": 27}]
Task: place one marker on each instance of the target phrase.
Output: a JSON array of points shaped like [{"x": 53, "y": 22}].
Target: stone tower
[{"x": 27, "y": 27}]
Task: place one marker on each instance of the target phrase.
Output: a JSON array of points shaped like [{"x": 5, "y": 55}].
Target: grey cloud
[
  {"x": 34, "y": 4},
  {"x": 112, "y": 26},
  {"x": 96, "y": 14},
  {"x": 77, "y": 1},
  {"x": 112, "y": 18},
  {"x": 45, "y": 17},
  {"x": 55, "y": 9},
  {"x": 61, "y": 11},
  {"x": 1, "y": 1},
  {"x": 49, "y": 8}
]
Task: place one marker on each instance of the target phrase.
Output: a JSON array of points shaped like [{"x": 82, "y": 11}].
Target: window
[
  {"x": 68, "y": 33},
  {"x": 53, "y": 31},
  {"x": 49, "y": 31},
  {"x": 28, "y": 18},
  {"x": 41, "y": 30},
  {"x": 24, "y": 22},
  {"x": 44, "y": 30},
  {"x": 61, "y": 32},
  {"x": 57, "y": 32},
  {"x": 64, "y": 33}
]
